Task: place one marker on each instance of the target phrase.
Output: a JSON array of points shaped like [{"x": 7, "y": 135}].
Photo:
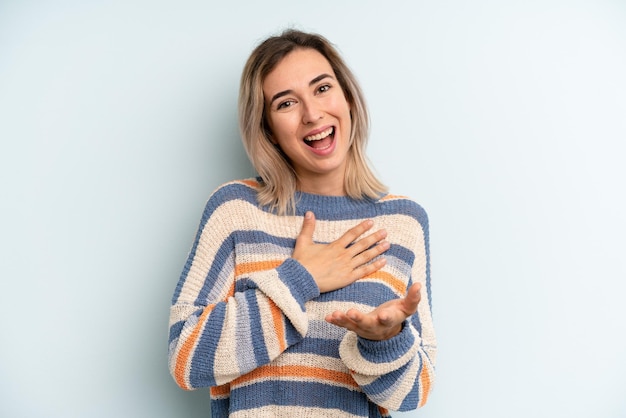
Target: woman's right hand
[{"x": 343, "y": 261}]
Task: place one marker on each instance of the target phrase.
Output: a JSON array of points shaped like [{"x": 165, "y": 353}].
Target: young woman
[{"x": 307, "y": 290}]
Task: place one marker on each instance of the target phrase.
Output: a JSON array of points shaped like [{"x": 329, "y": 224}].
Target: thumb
[
  {"x": 413, "y": 298},
  {"x": 308, "y": 226}
]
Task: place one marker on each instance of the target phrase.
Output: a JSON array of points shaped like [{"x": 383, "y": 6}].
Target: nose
[{"x": 311, "y": 112}]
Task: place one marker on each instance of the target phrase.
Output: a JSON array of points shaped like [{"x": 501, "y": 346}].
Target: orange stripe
[
  {"x": 220, "y": 391},
  {"x": 279, "y": 325},
  {"x": 186, "y": 349},
  {"x": 298, "y": 372},
  {"x": 398, "y": 285},
  {"x": 255, "y": 266},
  {"x": 425, "y": 384},
  {"x": 250, "y": 182},
  {"x": 393, "y": 196}
]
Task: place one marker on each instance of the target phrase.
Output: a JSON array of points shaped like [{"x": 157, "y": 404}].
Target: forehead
[{"x": 296, "y": 70}]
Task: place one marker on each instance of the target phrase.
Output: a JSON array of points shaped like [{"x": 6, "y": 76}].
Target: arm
[
  {"x": 217, "y": 333},
  {"x": 391, "y": 350}
]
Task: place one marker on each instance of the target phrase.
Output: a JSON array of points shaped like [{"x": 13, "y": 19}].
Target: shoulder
[
  {"x": 236, "y": 189},
  {"x": 393, "y": 204},
  {"x": 233, "y": 193}
]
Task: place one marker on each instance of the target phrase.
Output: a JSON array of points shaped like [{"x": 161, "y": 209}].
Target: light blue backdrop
[{"x": 505, "y": 119}]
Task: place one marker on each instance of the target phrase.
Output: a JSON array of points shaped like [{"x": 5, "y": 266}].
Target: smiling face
[{"x": 309, "y": 117}]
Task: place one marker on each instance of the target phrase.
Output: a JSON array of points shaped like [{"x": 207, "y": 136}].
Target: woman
[{"x": 307, "y": 291}]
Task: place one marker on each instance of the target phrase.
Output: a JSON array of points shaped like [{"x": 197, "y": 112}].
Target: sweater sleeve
[
  {"x": 219, "y": 331},
  {"x": 398, "y": 374}
]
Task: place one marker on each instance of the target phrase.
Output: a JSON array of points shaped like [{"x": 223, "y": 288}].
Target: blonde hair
[{"x": 279, "y": 183}]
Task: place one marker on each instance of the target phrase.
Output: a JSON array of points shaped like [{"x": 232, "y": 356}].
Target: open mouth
[{"x": 321, "y": 140}]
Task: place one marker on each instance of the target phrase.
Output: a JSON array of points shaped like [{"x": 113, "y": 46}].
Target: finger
[
  {"x": 385, "y": 317},
  {"x": 412, "y": 298},
  {"x": 373, "y": 252},
  {"x": 308, "y": 227},
  {"x": 355, "y": 315},
  {"x": 367, "y": 242},
  {"x": 340, "y": 319},
  {"x": 414, "y": 292},
  {"x": 367, "y": 269},
  {"x": 353, "y": 233}
]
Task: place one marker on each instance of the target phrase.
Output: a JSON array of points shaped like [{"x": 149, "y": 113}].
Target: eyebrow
[{"x": 286, "y": 92}]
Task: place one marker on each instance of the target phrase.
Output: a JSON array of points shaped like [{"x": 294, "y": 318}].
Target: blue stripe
[
  {"x": 301, "y": 394},
  {"x": 362, "y": 291},
  {"x": 216, "y": 274},
  {"x": 387, "y": 350},
  {"x": 219, "y": 408},
  {"x": 257, "y": 237},
  {"x": 256, "y": 330},
  {"x": 244, "y": 349},
  {"x": 401, "y": 253},
  {"x": 225, "y": 194},
  {"x": 324, "y": 207},
  {"x": 382, "y": 388},
  {"x": 204, "y": 354},
  {"x": 292, "y": 336},
  {"x": 320, "y": 346},
  {"x": 412, "y": 399},
  {"x": 175, "y": 330}
]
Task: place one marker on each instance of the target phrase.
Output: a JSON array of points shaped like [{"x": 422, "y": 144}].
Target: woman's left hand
[{"x": 382, "y": 323}]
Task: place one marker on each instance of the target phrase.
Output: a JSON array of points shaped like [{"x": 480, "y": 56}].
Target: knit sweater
[{"x": 247, "y": 320}]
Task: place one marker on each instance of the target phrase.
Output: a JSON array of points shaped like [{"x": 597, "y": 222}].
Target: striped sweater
[{"x": 247, "y": 320}]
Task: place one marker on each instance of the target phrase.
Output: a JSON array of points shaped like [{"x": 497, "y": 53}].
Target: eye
[
  {"x": 285, "y": 104},
  {"x": 323, "y": 88}
]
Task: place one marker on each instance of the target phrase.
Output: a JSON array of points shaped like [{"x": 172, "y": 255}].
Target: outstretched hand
[
  {"x": 343, "y": 261},
  {"x": 383, "y": 322}
]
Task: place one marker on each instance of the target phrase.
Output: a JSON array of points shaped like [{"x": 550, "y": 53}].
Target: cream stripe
[
  {"x": 349, "y": 353},
  {"x": 267, "y": 325},
  {"x": 395, "y": 399},
  {"x": 270, "y": 284},
  {"x": 181, "y": 313},
  {"x": 212, "y": 236},
  {"x": 226, "y": 368},
  {"x": 276, "y": 411},
  {"x": 313, "y": 360},
  {"x": 319, "y": 310}
]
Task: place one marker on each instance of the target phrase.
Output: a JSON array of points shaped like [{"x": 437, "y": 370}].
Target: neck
[{"x": 322, "y": 186}]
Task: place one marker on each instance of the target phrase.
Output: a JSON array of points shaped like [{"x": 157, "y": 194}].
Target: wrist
[{"x": 397, "y": 330}]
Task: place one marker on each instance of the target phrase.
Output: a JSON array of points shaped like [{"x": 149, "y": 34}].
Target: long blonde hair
[{"x": 279, "y": 178}]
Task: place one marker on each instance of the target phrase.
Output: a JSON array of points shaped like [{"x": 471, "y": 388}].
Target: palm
[{"x": 383, "y": 322}]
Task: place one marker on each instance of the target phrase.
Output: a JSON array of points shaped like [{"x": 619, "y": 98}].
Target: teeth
[{"x": 321, "y": 135}]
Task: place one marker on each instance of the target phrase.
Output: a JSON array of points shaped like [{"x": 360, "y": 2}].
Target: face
[{"x": 309, "y": 118}]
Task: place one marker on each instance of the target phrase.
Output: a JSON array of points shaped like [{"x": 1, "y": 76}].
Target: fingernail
[{"x": 308, "y": 215}]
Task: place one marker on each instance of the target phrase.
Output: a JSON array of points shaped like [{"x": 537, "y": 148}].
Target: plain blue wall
[{"x": 505, "y": 119}]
